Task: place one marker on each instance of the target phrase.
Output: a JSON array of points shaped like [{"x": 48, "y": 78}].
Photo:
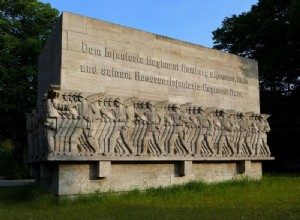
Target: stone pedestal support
[{"x": 72, "y": 178}]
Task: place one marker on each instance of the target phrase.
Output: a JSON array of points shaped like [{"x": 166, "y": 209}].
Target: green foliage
[
  {"x": 24, "y": 27},
  {"x": 270, "y": 33},
  {"x": 6, "y": 152},
  {"x": 274, "y": 197},
  {"x": 10, "y": 167}
]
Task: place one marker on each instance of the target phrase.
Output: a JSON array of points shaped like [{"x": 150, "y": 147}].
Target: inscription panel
[{"x": 104, "y": 57}]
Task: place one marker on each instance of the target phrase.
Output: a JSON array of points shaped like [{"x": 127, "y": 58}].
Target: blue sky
[{"x": 188, "y": 20}]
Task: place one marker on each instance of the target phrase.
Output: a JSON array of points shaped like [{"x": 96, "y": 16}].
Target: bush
[{"x": 10, "y": 168}]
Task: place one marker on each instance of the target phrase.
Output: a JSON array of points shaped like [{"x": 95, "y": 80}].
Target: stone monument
[{"x": 120, "y": 109}]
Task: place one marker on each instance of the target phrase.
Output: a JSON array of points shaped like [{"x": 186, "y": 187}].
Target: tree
[
  {"x": 24, "y": 27},
  {"x": 270, "y": 33}
]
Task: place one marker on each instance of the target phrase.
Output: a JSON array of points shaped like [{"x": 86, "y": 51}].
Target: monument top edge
[
  {"x": 157, "y": 36},
  {"x": 98, "y": 56}
]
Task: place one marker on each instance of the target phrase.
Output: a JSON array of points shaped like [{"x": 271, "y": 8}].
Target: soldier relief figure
[{"x": 73, "y": 123}]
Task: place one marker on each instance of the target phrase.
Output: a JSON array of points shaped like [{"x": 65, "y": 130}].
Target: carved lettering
[
  {"x": 194, "y": 70},
  {"x": 115, "y": 73},
  {"x": 241, "y": 80},
  {"x": 161, "y": 64},
  {"x": 235, "y": 93},
  {"x": 87, "y": 49},
  {"x": 88, "y": 69},
  {"x": 115, "y": 55},
  {"x": 220, "y": 76}
]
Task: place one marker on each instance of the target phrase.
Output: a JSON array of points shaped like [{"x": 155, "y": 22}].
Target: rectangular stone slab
[{"x": 77, "y": 143}]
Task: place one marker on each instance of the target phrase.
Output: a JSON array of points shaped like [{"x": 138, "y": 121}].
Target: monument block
[{"x": 119, "y": 108}]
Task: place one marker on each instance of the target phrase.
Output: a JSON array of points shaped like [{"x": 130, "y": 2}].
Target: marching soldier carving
[
  {"x": 81, "y": 137},
  {"x": 244, "y": 134},
  {"x": 262, "y": 147},
  {"x": 191, "y": 128},
  {"x": 177, "y": 141},
  {"x": 202, "y": 137},
  {"x": 51, "y": 117},
  {"x": 151, "y": 139},
  {"x": 224, "y": 140},
  {"x": 140, "y": 122},
  {"x": 117, "y": 139},
  {"x": 107, "y": 126},
  {"x": 73, "y": 123}
]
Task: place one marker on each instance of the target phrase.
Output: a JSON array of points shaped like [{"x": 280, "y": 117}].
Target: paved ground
[{"x": 16, "y": 182}]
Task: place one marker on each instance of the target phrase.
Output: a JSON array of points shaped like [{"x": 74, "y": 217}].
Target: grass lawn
[{"x": 274, "y": 197}]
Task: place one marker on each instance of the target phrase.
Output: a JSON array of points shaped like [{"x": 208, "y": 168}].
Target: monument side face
[
  {"x": 49, "y": 66},
  {"x": 102, "y": 57}
]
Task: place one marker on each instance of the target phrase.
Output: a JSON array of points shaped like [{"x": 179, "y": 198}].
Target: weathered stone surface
[
  {"x": 78, "y": 178},
  {"x": 98, "y": 57},
  {"x": 119, "y": 109},
  {"x": 97, "y": 126}
]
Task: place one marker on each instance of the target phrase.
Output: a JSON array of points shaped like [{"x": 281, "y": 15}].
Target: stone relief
[{"x": 76, "y": 124}]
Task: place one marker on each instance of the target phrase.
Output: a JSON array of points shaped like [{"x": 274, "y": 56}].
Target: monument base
[{"x": 73, "y": 178}]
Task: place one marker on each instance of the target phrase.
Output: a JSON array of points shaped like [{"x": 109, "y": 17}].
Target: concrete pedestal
[{"x": 72, "y": 178}]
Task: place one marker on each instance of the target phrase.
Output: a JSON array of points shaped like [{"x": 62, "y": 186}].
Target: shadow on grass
[
  {"x": 23, "y": 194},
  {"x": 281, "y": 174},
  {"x": 276, "y": 196}
]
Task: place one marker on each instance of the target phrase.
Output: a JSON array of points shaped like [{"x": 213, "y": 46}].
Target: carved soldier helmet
[
  {"x": 70, "y": 94},
  {"x": 143, "y": 105},
  {"x": 137, "y": 104},
  {"x": 222, "y": 111},
  {"x": 81, "y": 95},
  {"x": 75, "y": 96},
  {"x": 175, "y": 107},
  {"x": 148, "y": 103},
  {"x": 54, "y": 91},
  {"x": 259, "y": 116},
  {"x": 194, "y": 109},
  {"x": 241, "y": 114},
  {"x": 200, "y": 109},
  {"x": 118, "y": 100},
  {"x": 170, "y": 107}
]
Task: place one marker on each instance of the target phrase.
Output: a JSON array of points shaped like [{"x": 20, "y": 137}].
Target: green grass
[{"x": 274, "y": 197}]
